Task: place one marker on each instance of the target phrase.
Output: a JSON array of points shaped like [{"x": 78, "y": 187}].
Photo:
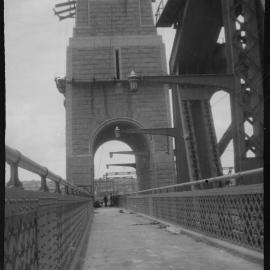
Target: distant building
[
  {"x": 115, "y": 185},
  {"x": 34, "y": 185}
]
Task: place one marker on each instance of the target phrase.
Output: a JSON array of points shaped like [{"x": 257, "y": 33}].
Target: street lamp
[
  {"x": 117, "y": 132},
  {"x": 133, "y": 81}
]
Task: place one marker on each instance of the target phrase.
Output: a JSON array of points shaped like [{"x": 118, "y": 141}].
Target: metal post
[
  {"x": 44, "y": 186},
  {"x": 57, "y": 188},
  {"x": 14, "y": 176}
]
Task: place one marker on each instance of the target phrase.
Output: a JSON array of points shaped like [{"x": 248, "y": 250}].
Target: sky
[{"x": 35, "y": 53}]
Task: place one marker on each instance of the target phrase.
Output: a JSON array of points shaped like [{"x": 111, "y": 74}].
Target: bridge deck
[{"x": 120, "y": 241}]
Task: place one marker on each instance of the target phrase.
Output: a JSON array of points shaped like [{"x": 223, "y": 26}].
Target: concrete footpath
[{"x": 128, "y": 241}]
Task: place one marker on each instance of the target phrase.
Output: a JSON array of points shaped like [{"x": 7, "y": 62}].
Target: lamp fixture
[
  {"x": 117, "y": 132},
  {"x": 133, "y": 81}
]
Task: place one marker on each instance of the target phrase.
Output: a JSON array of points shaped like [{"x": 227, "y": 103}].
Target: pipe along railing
[
  {"x": 43, "y": 230},
  {"x": 15, "y": 159},
  {"x": 222, "y": 179},
  {"x": 229, "y": 213}
]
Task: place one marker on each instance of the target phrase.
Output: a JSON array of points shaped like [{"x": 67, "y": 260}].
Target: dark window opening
[{"x": 117, "y": 66}]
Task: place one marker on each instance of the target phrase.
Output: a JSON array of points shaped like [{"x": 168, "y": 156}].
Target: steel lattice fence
[
  {"x": 20, "y": 242},
  {"x": 43, "y": 231},
  {"x": 233, "y": 214}
]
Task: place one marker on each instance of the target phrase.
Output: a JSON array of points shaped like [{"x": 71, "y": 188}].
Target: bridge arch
[{"x": 139, "y": 143}]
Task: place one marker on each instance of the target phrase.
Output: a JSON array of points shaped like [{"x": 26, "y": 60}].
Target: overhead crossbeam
[
  {"x": 133, "y": 165},
  {"x": 69, "y": 10},
  {"x": 65, "y": 3},
  {"x": 216, "y": 81},
  {"x": 139, "y": 153},
  {"x": 210, "y": 81},
  {"x": 71, "y": 15},
  {"x": 213, "y": 81},
  {"x": 63, "y": 11},
  {"x": 120, "y": 173},
  {"x": 170, "y": 132}
]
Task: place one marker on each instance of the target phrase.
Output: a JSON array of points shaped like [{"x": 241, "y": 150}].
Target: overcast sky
[{"x": 35, "y": 50}]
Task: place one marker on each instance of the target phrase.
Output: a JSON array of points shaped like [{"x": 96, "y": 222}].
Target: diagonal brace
[{"x": 225, "y": 139}]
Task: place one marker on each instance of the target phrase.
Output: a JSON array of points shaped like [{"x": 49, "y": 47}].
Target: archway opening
[
  {"x": 136, "y": 161},
  {"x": 110, "y": 177},
  {"x": 221, "y": 111},
  {"x": 110, "y": 153}
]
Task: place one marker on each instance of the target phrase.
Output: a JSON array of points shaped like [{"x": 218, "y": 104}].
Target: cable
[{"x": 219, "y": 99}]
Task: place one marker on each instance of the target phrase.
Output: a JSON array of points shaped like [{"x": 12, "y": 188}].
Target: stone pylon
[{"x": 110, "y": 39}]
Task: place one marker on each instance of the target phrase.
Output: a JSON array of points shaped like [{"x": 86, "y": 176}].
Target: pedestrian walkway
[{"x": 128, "y": 241}]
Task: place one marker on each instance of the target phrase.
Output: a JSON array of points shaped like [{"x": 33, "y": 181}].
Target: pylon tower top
[{"x": 114, "y": 17}]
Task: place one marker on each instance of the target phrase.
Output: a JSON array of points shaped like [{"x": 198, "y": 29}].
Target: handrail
[
  {"x": 15, "y": 159},
  {"x": 208, "y": 180}
]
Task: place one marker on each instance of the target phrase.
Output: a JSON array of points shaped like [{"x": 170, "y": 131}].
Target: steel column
[{"x": 244, "y": 60}]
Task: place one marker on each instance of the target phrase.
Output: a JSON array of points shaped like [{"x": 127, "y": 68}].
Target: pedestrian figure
[
  {"x": 111, "y": 200},
  {"x": 105, "y": 200}
]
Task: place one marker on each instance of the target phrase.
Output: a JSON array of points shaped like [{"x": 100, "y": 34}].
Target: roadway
[{"x": 128, "y": 241}]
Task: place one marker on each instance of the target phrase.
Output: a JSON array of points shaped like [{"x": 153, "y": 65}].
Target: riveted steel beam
[
  {"x": 70, "y": 15},
  {"x": 244, "y": 60},
  {"x": 211, "y": 81},
  {"x": 225, "y": 139},
  {"x": 139, "y": 153},
  {"x": 216, "y": 81},
  {"x": 63, "y": 11},
  {"x": 65, "y": 4},
  {"x": 133, "y": 165},
  {"x": 171, "y": 132}
]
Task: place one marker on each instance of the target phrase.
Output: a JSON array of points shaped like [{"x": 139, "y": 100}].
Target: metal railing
[
  {"x": 17, "y": 160},
  {"x": 43, "y": 230},
  {"x": 221, "y": 179},
  {"x": 230, "y": 213}
]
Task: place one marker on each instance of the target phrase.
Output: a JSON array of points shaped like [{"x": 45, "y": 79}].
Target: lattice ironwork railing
[
  {"x": 20, "y": 245},
  {"x": 43, "y": 230},
  {"x": 234, "y": 214}
]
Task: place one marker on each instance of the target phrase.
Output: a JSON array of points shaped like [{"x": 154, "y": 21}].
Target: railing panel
[
  {"x": 233, "y": 214},
  {"x": 43, "y": 230},
  {"x": 20, "y": 250},
  {"x": 47, "y": 240}
]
